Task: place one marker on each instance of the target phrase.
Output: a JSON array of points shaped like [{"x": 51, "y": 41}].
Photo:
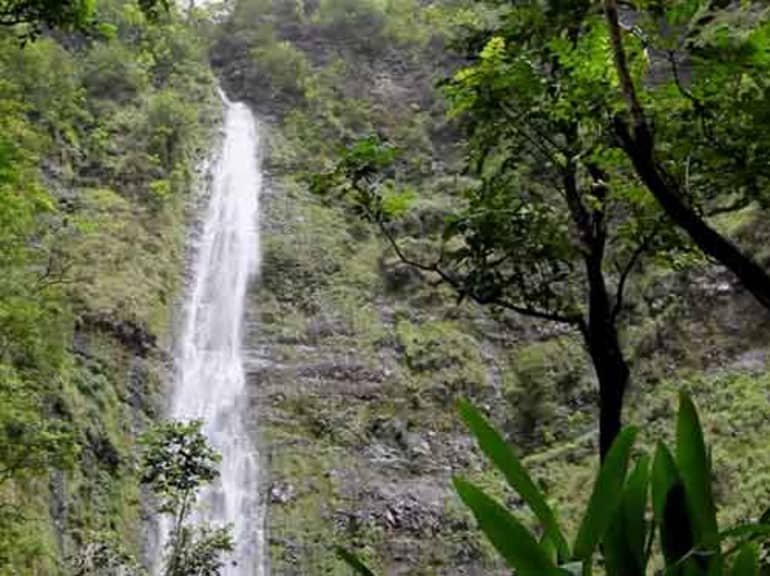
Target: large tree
[
  {"x": 566, "y": 150},
  {"x": 555, "y": 225}
]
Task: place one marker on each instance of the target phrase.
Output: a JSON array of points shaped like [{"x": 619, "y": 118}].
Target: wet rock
[
  {"x": 133, "y": 335},
  {"x": 104, "y": 451},
  {"x": 281, "y": 492},
  {"x": 341, "y": 369},
  {"x": 391, "y": 430},
  {"x": 750, "y": 361},
  {"x": 399, "y": 277}
]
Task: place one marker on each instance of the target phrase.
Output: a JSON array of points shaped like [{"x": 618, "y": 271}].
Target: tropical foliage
[
  {"x": 636, "y": 501},
  {"x": 553, "y": 186}
]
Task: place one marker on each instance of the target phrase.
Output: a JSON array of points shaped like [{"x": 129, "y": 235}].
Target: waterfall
[{"x": 210, "y": 381}]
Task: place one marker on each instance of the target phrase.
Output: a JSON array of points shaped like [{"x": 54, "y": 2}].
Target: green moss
[
  {"x": 119, "y": 128},
  {"x": 299, "y": 535},
  {"x": 545, "y": 378},
  {"x": 439, "y": 345}
]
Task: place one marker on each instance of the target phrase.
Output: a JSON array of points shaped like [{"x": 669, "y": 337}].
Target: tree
[
  {"x": 46, "y": 13},
  {"x": 699, "y": 142},
  {"x": 35, "y": 16},
  {"x": 556, "y": 226},
  {"x": 177, "y": 462}
]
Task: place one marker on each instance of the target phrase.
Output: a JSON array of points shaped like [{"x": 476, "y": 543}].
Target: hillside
[
  {"x": 354, "y": 360},
  {"x": 360, "y": 358},
  {"x": 101, "y": 141}
]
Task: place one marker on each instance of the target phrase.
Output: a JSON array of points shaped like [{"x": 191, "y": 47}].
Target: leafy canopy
[{"x": 31, "y": 17}]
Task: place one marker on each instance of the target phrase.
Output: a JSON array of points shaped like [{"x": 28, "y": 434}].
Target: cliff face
[
  {"x": 110, "y": 130},
  {"x": 357, "y": 360}
]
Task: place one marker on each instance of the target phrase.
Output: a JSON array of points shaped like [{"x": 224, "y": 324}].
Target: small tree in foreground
[
  {"x": 668, "y": 496},
  {"x": 178, "y": 462}
]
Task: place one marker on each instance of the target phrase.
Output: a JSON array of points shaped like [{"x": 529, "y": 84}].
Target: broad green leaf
[
  {"x": 509, "y": 536},
  {"x": 747, "y": 562},
  {"x": 664, "y": 476},
  {"x": 606, "y": 495},
  {"x": 670, "y": 509},
  {"x": 500, "y": 453},
  {"x": 353, "y": 561},
  {"x": 548, "y": 547},
  {"x": 693, "y": 464},
  {"x": 624, "y": 543}
]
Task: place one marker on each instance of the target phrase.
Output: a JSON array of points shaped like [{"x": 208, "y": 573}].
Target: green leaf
[
  {"x": 395, "y": 204},
  {"x": 606, "y": 495},
  {"x": 353, "y": 561},
  {"x": 498, "y": 451},
  {"x": 624, "y": 543},
  {"x": 664, "y": 476},
  {"x": 749, "y": 531},
  {"x": 747, "y": 562},
  {"x": 548, "y": 547},
  {"x": 670, "y": 507},
  {"x": 509, "y": 536},
  {"x": 107, "y": 31},
  {"x": 694, "y": 468}
]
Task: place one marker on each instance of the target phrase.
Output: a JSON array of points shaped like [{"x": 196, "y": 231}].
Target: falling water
[{"x": 210, "y": 380}]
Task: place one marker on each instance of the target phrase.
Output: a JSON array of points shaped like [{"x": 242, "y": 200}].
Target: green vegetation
[
  {"x": 708, "y": 116},
  {"x": 177, "y": 462},
  {"x": 30, "y": 18},
  {"x": 360, "y": 403},
  {"x": 100, "y": 137},
  {"x": 615, "y": 525},
  {"x": 525, "y": 206}
]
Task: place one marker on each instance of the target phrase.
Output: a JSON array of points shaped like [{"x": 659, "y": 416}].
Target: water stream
[{"x": 210, "y": 381}]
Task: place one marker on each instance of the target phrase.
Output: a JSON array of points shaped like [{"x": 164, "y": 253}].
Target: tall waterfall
[{"x": 210, "y": 381}]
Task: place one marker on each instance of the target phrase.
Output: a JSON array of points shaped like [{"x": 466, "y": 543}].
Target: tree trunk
[
  {"x": 601, "y": 338},
  {"x": 753, "y": 277},
  {"x": 639, "y": 147}
]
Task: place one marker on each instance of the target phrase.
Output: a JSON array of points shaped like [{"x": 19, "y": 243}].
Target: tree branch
[
  {"x": 621, "y": 65},
  {"x": 457, "y": 285},
  {"x": 627, "y": 269},
  {"x": 513, "y": 117},
  {"x": 739, "y": 204}
]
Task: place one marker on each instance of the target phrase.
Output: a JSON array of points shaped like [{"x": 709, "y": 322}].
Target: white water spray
[{"x": 210, "y": 381}]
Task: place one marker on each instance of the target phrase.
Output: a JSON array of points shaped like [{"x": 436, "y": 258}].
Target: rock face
[
  {"x": 356, "y": 361},
  {"x": 360, "y": 447}
]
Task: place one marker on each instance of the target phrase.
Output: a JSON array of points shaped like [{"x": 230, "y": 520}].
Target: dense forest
[{"x": 512, "y": 302}]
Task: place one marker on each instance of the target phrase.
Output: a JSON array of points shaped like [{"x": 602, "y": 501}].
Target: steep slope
[
  {"x": 110, "y": 131},
  {"x": 356, "y": 360}
]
